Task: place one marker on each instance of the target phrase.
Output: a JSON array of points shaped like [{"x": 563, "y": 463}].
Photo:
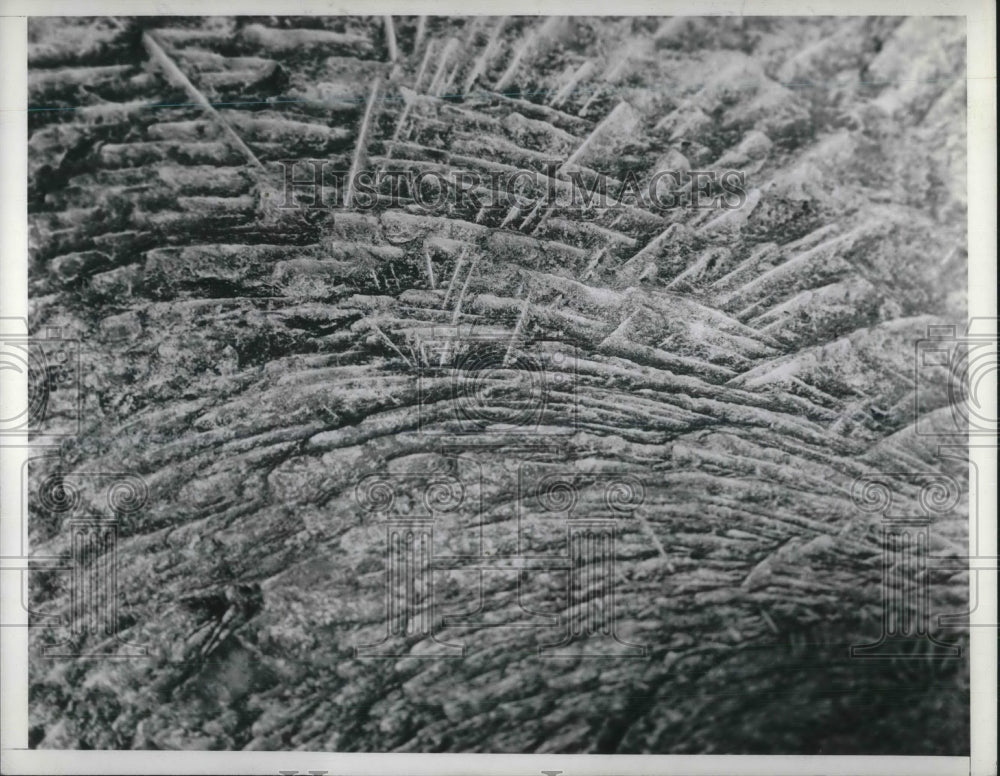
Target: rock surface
[{"x": 254, "y": 364}]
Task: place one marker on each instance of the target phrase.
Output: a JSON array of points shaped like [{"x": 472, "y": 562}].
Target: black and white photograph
[{"x": 499, "y": 383}]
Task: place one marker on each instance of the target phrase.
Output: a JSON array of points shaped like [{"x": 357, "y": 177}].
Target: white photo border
[{"x": 16, "y": 758}]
